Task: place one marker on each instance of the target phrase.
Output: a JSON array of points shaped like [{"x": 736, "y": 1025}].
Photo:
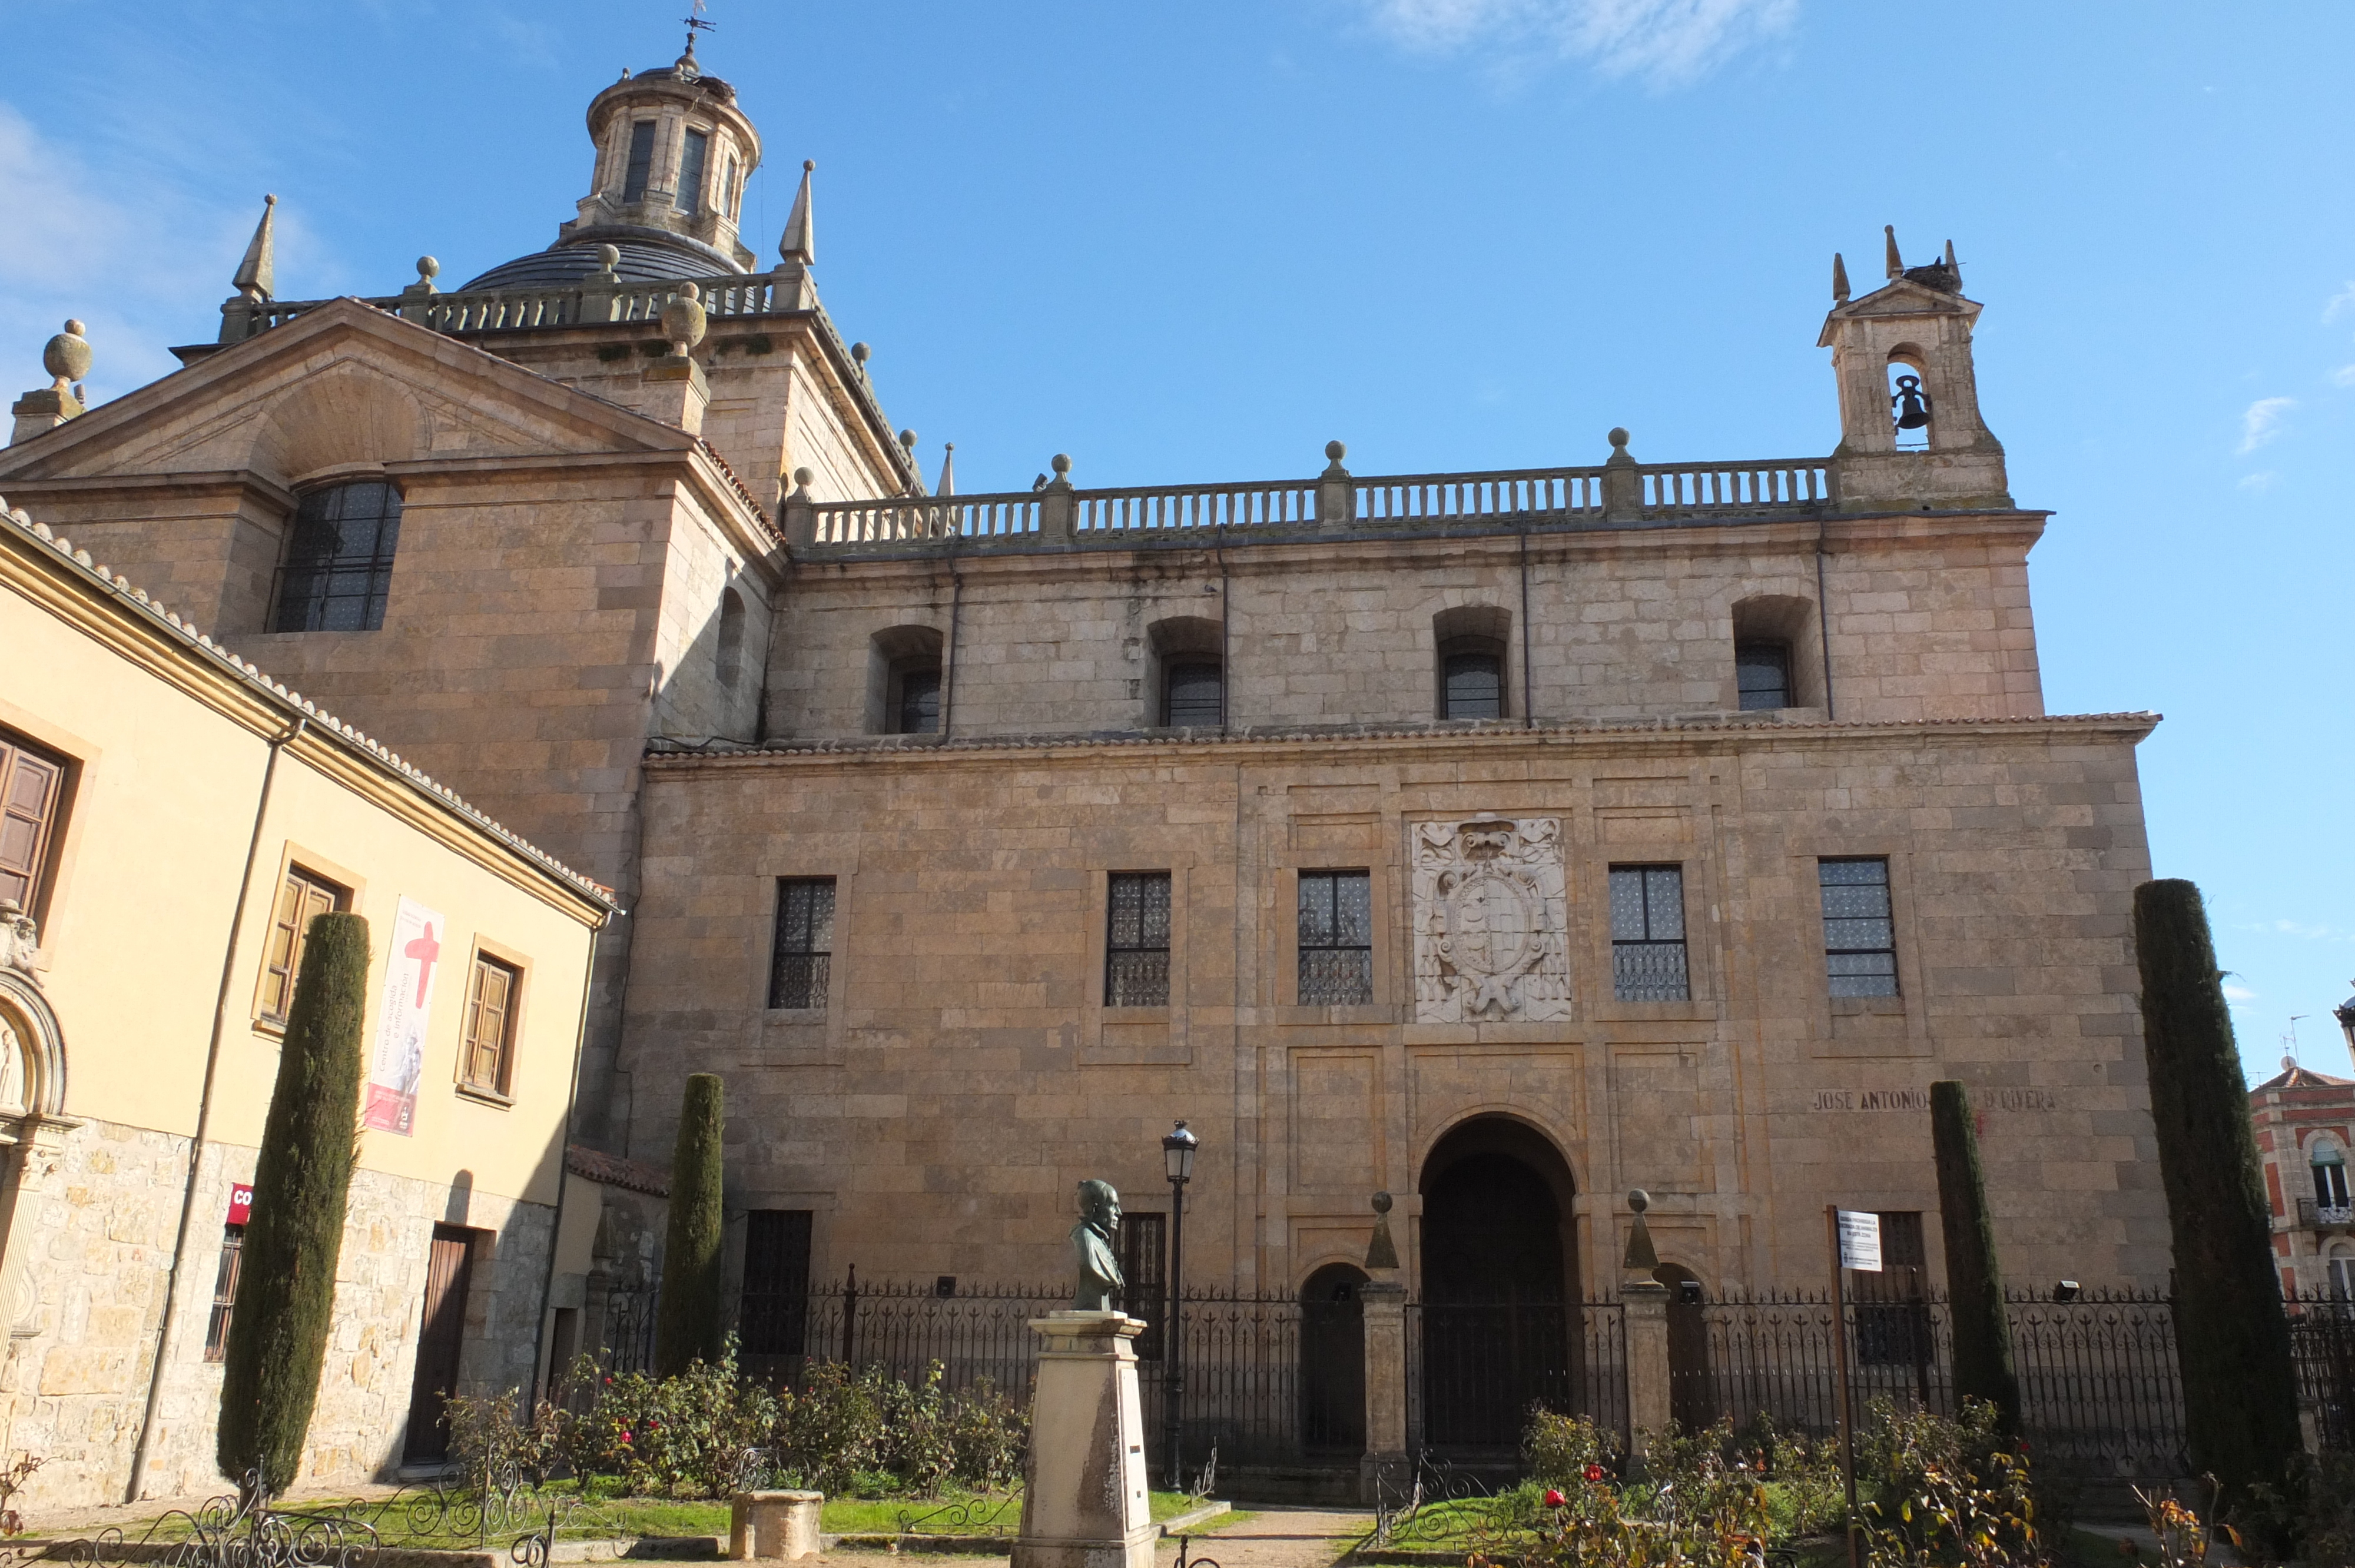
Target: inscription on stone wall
[
  {"x": 1982, "y": 1101},
  {"x": 1491, "y": 921}
]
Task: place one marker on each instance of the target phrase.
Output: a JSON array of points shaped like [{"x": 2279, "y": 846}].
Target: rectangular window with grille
[
  {"x": 1136, "y": 944},
  {"x": 692, "y": 157},
  {"x": 1763, "y": 674},
  {"x": 1647, "y": 934},
  {"x": 338, "y": 571},
  {"x": 1143, "y": 1266},
  {"x": 1336, "y": 938},
  {"x": 301, "y": 897},
  {"x": 801, "y": 963},
  {"x": 772, "y": 1314},
  {"x": 1859, "y": 940},
  {"x": 1194, "y": 694},
  {"x": 232, "y": 1253},
  {"x": 32, "y": 786},
  {"x": 487, "y": 1057}
]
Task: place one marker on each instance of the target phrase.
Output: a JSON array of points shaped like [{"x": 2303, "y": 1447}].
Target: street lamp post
[{"x": 1178, "y": 1153}]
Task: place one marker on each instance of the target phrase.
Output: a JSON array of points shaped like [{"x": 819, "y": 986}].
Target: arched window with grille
[
  {"x": 1470, "y": 642},
  {"x": 337, "y": 572},
  {"x": 2328, "y": 1162}
]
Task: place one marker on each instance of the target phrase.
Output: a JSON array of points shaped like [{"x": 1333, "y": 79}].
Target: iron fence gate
[
  {"x": 1475, "y": 1369},
  {"x": 2099, "y": 1387}
]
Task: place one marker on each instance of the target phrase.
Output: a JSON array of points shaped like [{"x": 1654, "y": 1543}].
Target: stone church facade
[{"x": 1502, "y": 841}]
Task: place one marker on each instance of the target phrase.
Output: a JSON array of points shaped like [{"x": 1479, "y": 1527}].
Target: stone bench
[{"x": 773, "y": 1526}]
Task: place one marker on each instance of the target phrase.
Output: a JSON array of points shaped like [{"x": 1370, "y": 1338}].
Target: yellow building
[{"x": 173, "y": 817}]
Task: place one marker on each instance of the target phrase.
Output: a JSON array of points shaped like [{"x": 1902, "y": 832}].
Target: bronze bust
[{"x": 1095, "y": 1272}]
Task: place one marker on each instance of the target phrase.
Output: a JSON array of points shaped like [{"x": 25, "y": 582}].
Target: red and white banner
[
  {"x": 409, "y": 976},
  {"x": 240, "y": 1203}
]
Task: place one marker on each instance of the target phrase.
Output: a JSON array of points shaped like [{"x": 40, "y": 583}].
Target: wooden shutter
[
  {"x": 303, "y": 896},
  {"x": 490, "y": 1022},
  {"x": 29, "y": 786}
]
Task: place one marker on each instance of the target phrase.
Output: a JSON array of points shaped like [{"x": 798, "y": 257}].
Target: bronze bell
[{"x": 1913, "y": 404}]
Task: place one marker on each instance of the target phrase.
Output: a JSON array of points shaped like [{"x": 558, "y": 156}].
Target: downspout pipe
[
  {"x": 546, "y": 1382},
  {"x": 172, "y": 1304}
]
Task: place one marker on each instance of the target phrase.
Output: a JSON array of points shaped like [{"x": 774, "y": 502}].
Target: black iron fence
[
  {"x": 2099, "y": 1387},
  {"x": 1476, "y": 1368},
  {"x": 1776, "y": 1356},
  {"x": 2322, "y": 1341}
]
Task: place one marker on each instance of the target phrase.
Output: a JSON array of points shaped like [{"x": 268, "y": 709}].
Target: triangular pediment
[
  {"x": 346, "y": 383},
  {"x": 1901, "y": 297}
]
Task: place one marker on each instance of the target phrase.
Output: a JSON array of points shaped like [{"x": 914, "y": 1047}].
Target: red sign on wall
[{"x": 240, "y": 1203}]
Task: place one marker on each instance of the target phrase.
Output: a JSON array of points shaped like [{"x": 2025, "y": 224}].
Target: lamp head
[{"x": 1178, "y": 1153}]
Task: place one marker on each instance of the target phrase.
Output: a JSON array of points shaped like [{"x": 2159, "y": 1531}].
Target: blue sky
[{"x": 1197, "y": 241}]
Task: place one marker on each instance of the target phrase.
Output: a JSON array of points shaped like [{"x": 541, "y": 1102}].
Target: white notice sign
[
  {"x": 1859, "y": 1240},
  {"x": 400, "y": 1060}
]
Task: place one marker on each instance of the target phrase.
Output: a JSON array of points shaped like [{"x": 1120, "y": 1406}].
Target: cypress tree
[
  {"x": 690, "y": 1318},
  {"x": 1982, "y": 1368},
  {"x": 2231, "y": 1336},
  {"x": 286, "y": 1287}
]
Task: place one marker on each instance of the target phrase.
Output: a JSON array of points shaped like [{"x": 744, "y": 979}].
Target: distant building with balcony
[{"x": 2305, "y": 1124}]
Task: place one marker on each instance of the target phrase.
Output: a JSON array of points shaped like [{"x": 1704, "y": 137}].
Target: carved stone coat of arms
[{"x": 1491, "y": 921}]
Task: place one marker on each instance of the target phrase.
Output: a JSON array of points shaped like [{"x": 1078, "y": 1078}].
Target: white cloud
[
  {"x": 2260, "y": 481},
  {"x": 139, "y": 259},
  {"x": 2343, "y": 376},
  {"x": 2261, "y": 421},
  {"x": 2340, "y": 302},
  {"x": 1662, "y": 41},
  {"x": 2238, "y": 993}
]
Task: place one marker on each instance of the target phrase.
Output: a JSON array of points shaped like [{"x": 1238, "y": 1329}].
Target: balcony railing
[
  {"x": 1630, "y": 496},
  {"x": 730, "y": 295},
  {"x": 2313, "y": 1214}
]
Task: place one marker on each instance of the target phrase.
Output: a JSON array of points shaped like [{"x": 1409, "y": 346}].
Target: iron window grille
[
  {"x": 224, "y": 1275},
  {"x": 1472, "y": 685},
  {"x": 1761, "y": 672},
  {"x": 1336, "y": 938},
  {"x": 1860, "y": 938},
  {"x": 338, "y": 568},
  {"x": 801, "y": 963},
  {"x": 1143, "y": 1264},
  {"x": 1647, "y": 934},
  {"x": 1194, "y": 694},
  {"x": 1137, "y": 941}
]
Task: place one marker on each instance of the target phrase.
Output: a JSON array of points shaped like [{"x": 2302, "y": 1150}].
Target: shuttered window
[
  {"x": 490, "y": 1002},
  {"x": 301, "y": 898},
  {"x": 31, "y": 788}
]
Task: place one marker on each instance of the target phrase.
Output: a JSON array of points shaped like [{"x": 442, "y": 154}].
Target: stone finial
[
  {"x": 683, "y": 320},
  {"x": 859, "y": 355},
  {"x": 67, "y": 357},
  {"x": 1618, "y": 439},
  {"x": 1334, "y": 452},
  {"x": 800, "y": 241},
  {"x": 803, "y": 479},
  {"x": 947, "y": 486},
  {"x": 1896, "y": 263},
  {"x": 257, "y": 275},
  {"x": 1061, "y": 464},
  {"x": 608, "y": 257},
  {"x": 428, "y": 268},
  {"x": 1640, "y": 1258},
  {"x": 1839, "y": 279},
  {"x": 1381, "y": 1252}
]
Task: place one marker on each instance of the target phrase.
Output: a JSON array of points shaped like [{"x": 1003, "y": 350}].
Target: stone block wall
[
  {"x": 1928, "y": 619},
  {"x": 75, "y": 1391},
  {"x": 966, "y": 1073}
]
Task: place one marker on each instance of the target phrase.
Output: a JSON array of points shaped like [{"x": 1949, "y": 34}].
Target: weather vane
[{"x": 695, "y": 23}]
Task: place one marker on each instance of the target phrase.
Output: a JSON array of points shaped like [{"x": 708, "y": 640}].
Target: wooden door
[{"x": 441, "y": 1339}]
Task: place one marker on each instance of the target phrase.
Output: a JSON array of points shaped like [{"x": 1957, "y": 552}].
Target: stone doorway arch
[{"x": 1500, "y": 1319}]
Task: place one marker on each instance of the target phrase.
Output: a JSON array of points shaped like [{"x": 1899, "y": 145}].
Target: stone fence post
[
  {"x": 1058, "y": 508},
  {"x": 1336, "y": 492},
  {"x": 800, "y": 520},
  {"x": 1645, "y": 1306},
  {"x": 1622, "y": 482},
  {"x": 1386, "y": 1459}
]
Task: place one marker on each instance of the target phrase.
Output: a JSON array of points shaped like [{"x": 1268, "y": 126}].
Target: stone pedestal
[
  {"x": 1646, "y": 1304},
  {"x": 676, "y": 393},
  {"x": 1386, "y": 1465},
  {"x": 773, "y": 1526},
  {"x": 38, "y": 413},
  {"x": 1084, "y": 1503}
]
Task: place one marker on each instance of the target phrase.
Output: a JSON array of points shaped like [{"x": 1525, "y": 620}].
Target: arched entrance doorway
[
  {"x": 1333, "y": 1360},
  {"x": 1499, "y": 1283}
]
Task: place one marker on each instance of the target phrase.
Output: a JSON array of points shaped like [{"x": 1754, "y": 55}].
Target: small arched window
[
  {"x": 1470, "y": 640},
  {"x": 1188, "y": 688},
  {"x": 904, "y": 680},
  {"x": 692, "y": 156},
  {"x": 1769, "y": 631},
  {"x": 2328, "y": 1164},
  {"x": 338, "y": 568},
  {"x": 731, "y": 656}
]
